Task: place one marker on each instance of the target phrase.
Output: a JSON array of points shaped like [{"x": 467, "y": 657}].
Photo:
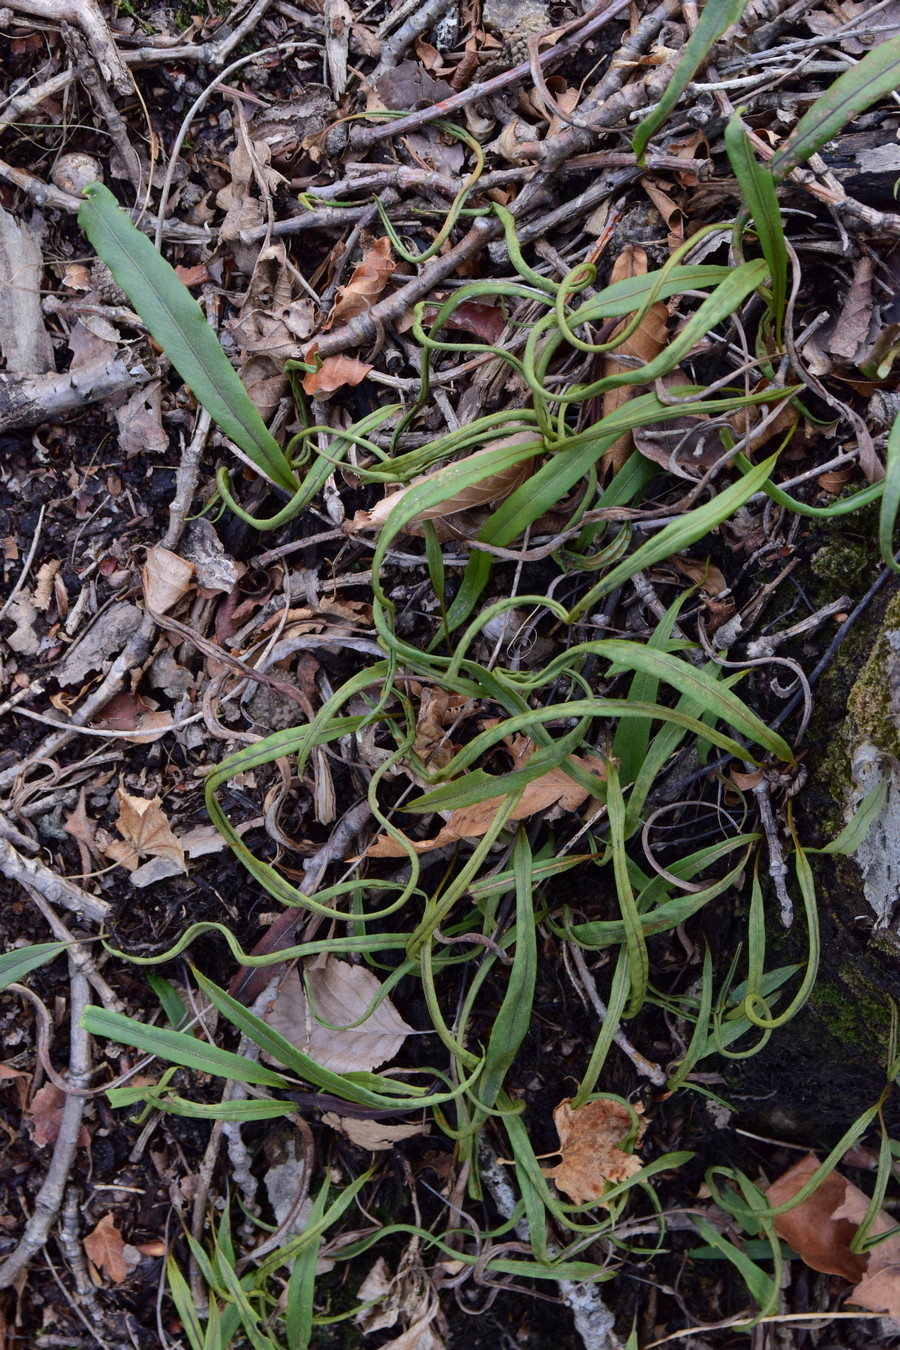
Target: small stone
[{"x": 73, "y": 172}]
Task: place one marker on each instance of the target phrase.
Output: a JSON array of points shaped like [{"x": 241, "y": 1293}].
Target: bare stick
[
  {"x": 57, "y": 890},
  {"x": 186, "y": 480},
  {"x": 392, "y": 50},
  {"x": 134, "y": 653},
  {"x": 641, "y": 1063},
  {"x": 26, "y": 400},
  {"x": 50, "y": 1196}
]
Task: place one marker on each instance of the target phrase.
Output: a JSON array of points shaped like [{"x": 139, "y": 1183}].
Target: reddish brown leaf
[
  {"x": 45, "y": 1114},
  {"x": 811, "y": 1228},
  {"x": 487, "y": 322},
  {"x": 192, "y": 276},
  {"x": 333, "y": 374},
  {"x": 105, "y": 1248},
  {"x": 369, "y": 279}
]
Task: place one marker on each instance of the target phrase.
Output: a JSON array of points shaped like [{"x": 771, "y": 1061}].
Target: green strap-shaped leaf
[
  {"x": 716, "y": 17},
  {"x": 15, "y": 964},
  {"x": 177, "y": 323},
  {"x": 875, "y": 76}
]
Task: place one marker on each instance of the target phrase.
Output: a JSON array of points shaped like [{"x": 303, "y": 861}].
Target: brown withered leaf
[
  {"x": 819, "y": 1237},
  {"x": 848, "y": 337},
  {"x": 45, "y": 1113},
  {"x": 341, "y": 992},
  {"x": 493, "y": 487},
  {"x": 105, "y": 1248},
  {"x": 821, "y": 1228},
  {"x": 486, "y": 322},
  {"x": 145, "y": 829},
  {"x": 371, "y": 1134},
  {"x": 20, "y": 1080},
  {"x": 555, "y": 788},
  {"x": 701, "y": 571},
  {"x": 370, "y": 276},
  {"x": 589, "y": 1139},
  {"x": 437, "y": 710},
  {"x": 645, "y": 343},
  {"x": 746, "y": 421},
  {"x": 333, "y": 374},
  {"x": 166, "y": 579}
]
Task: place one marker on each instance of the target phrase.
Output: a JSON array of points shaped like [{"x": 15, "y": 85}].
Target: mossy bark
[{"x": 817, "y": 1076}]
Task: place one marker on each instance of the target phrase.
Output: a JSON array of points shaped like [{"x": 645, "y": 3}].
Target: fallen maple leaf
[
  {"x": 341, "y": 993},
  {"x": 145, "y": 829},
  {"x": 105, "y": 1249},
  {"x": 588, "y": 1141}
]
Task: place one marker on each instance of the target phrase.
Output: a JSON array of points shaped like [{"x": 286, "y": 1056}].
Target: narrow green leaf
[
  {"x": 177, "y": 323},
  {"x": 178, "y": 1048},
  {"x": 15, "y": 964},
  {"x": 717, "y": 15},
  {"x": 875, "y": 76},
  {"x": 705, "y": 691},
  {"x": 635, "y": 945},
  {"x": 890, "y": 502},
  {"x": 854, "y": 832},
  {"x": 514, "y": 1017},
  {"x": 758, "y": 188},
  {"x": 625, "y": 296}
]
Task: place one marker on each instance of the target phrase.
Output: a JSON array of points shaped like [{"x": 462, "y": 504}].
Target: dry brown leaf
[
  {"x": 370, "y": 276},
  {"x": 437, "y": 710},
  {"x": 555, "y": 788},
  {"x": 408, "y": 1298},
  {"x": 333, "y": 374},
  {"x": 166, "y": 579},
  {"x": 45, "y": 1113},
  {"x": 340, "y": 993},
  {"x": 645, "y": 343},
  {"x": 20, "y": 1080},
  {"x": 126, "y": 712},
  {"x": 848, "y": 337},
  {"x": 744, "y": 422},
  {"x": 139, "y": 422},
  {"x": 43, "y": 584},
  {"x": 145, "y": 829},
  {"x": 492, "y": 488},
  {"x": 589, "y": 1139},
  {"x": 105, "y": 1248},
  {"x": 819, "y": 1238},
  {"x": 371, "y": 1134},
  {"x": 486, "y": 322},
  {"x": 702, "y": 573}
]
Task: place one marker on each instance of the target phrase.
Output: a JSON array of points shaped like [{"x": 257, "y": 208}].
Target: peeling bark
[{"x": 26, "y": 400}]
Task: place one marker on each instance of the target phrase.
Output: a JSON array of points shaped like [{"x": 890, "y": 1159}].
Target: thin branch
[{"x": 50, "y": 1196}]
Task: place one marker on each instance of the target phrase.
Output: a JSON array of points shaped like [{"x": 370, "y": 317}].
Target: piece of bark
[
  {"x": 24, "y": 341},
  {"x": 26, "y": 400}
]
